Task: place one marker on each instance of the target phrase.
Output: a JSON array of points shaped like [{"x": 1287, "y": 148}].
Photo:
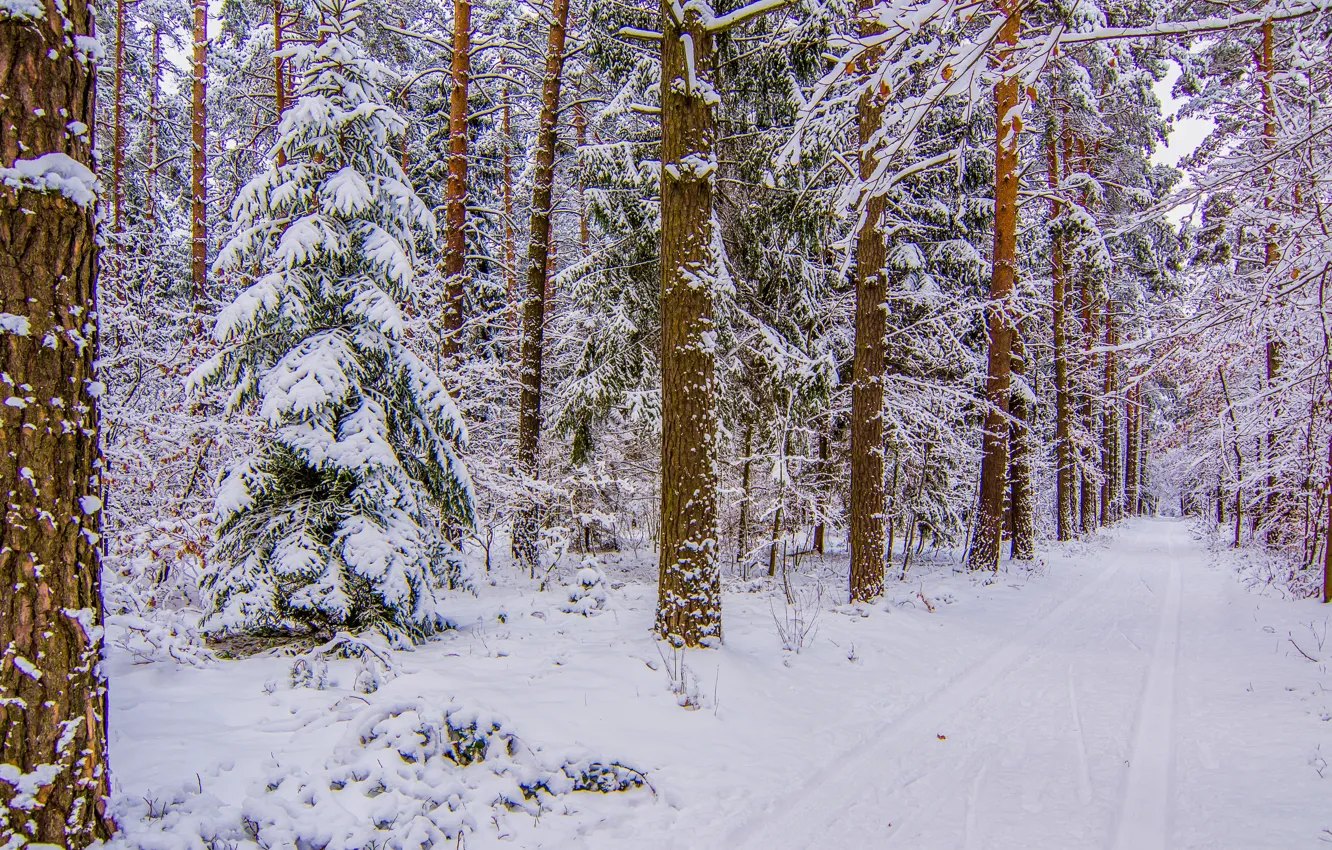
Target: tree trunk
[
  {"x": 1132, "y": 422},
  {"x": 1064, "y": 466},
  {"x": 199, "y": 157},
  {"x": 1111, "y": 494},
  {"x": 746, "y": 488},
  {"x": 279, "y": 75},
  {"x": 528, "y": 521},
  {"x": 985, "y": 546},
  {"x": 867, "y": 497},
  {"x": 1021, "y": 492},
  {"x": 821, "y": 529},
  {"x": 580, "y": 139},
  {"x": 154, "y": 94},
  {"x": 689, "y": 589},
  {"x": 118, "y": 128},
  {"x": 455, "y": 189},
  {"x": 52, "y": 695}
]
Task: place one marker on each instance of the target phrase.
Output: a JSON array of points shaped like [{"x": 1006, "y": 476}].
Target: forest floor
[{"x": 1127, "y": 692}]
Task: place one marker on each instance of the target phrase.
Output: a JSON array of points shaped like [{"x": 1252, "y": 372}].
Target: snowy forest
[{"x": 665, "y": 423}]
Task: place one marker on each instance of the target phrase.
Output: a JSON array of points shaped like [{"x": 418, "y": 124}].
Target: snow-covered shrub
[
  {"x": 588, "y": 594},
  {"x": 406, "y": 776},
  {"x": 335, "y": 522},
  {"x": 167, "y": 636}
]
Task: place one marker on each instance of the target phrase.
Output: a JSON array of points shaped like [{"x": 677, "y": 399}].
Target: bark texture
[
  {"x": 689, "y": 588},
  {"x": 455, "y": 189},
  {"x": 528, "y": 522},
  {"x": 1065, "y": 497},
  {"x": 52, "y": 698},
  {"x": 1021, "y": 495},
  {"x": 985, "y": 546},
  {"x": 867, "y": 497},
  {"x": 199, "y": 156}
]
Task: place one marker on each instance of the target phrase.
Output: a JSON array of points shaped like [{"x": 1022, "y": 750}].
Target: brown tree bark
[
  {"x": 689, "y": 589},
  {"x": 867, "y": 502},
  {"x": 118, "y": 127},
  {"x": 199, "y": 157},
  {"x": 154, "y": 95},
  {"x": 1132, "y": 448},
  {"x": 527, "y": 522},
  {"x": 821, "y": 528},
  {"x": 985, "y": 546},
  {"x": 1111, "y": 493},
  {"x": 455, "y": 189},
  {"x": 1021, "y": 491},
  {"x": 1064, "y": 466},
  {"x": 746, "y": 489},
  {"x": 279, "y": 74},
  {"x": 52, "y": 695}
]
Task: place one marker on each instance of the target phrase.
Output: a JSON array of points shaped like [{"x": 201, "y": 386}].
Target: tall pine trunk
[
  {"x": 746, "y": 495},
  {"x": 867, "y": 497},
  {"x": 689, "y": 587},
  {"x": 528, "y": 520},
  {"x": 1132, "y": 421},
  {"x": 1111, "y": 494},
  {"x": 279, "y": 74},
  {"x": 985, "y": 546},
  {"x": 510, "y": 246},
  {"x": 154, "y": 95},
  {"x": 1021, "y": 491},
  {"x": 1064, "y": 466},
  {"x": 118, "y": 127},
  {"x": 199, "y": 157},
  {"x": 455, "y": 188},
  {"x": 52, "y": 695}
]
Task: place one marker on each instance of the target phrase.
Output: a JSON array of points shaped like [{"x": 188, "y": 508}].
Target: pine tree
[
  {"x": 54, "y": 778},
  {"x": 336, "y": 521}
]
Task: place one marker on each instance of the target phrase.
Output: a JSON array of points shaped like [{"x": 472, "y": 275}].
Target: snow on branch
[
  {"x": 1199, "y": 27},
  {"x": 744, "y": 13}
]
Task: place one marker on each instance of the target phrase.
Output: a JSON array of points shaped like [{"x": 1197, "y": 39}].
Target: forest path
[{"x": 1070, "y": 733}]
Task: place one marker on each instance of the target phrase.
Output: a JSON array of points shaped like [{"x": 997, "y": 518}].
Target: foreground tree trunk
[
  {"x": 984, "y": 554},
  {"x": 455, "y": 189},
  {"x": 54, "y": 784},
  {"x": 199, "y": 156},
  {"x": 867, "y": 497},
  {"x": 689, "y": 588},
  {"x": 1021, "y": 492},
  {"x": 528, "y": 521},
  {"x": 154, "y": 95}
]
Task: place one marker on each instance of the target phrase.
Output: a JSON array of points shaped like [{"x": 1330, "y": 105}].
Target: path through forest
[{"x": 1129, "y": 717}]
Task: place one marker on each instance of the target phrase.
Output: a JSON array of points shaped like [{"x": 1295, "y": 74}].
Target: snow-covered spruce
[
  {"x": 407, "y": 775},
  {"x": 588, "y": 596},
  {"x": 337, "y": 521}
]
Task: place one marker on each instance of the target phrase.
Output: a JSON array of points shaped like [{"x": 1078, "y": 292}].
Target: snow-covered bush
[
  {"x": 336, "y": 521},
  {"x": 588, "y": 594},
  {"x": 407, "y": 775}
]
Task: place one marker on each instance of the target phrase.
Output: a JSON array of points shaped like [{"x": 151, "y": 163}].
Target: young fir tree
[{"x": 336, "y": 521}]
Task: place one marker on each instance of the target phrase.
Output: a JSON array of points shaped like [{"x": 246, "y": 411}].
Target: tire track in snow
[
  {"x": 1147, "y": 801},
  {"x": 802, "y": 817}
]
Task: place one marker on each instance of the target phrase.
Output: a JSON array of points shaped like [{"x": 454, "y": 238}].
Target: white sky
[{"x": 1184, "y": 138}]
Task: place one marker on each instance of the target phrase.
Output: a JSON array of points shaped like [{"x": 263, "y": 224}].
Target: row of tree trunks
[
  {"x": 455, "y": 188},
  {"x": 986, "y": 542},
  {"x": 52, "y": 696},
  {"x": 689, "y": 584},
  {"x": 527, "y": 523},
  {"x": 867, "y": 502}
]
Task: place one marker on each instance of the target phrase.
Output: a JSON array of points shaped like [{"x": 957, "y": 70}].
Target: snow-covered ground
[{"x": 1124, "y": 693}]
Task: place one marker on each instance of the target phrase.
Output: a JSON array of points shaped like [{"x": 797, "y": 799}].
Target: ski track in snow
[
  {"x": 1144, "y": 820},
  {"x": 1065, "y": 736},
  {"x": 817, "y": 808}
]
